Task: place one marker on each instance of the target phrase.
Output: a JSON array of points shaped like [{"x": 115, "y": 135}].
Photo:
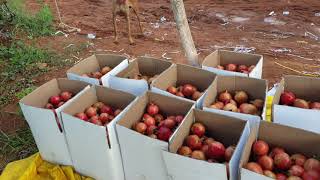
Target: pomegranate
[
  {"x": 164, "y": 133},
  {"x": 233, "y": 102},
  {"x": 228, "y": 153},
  {"x": 248, "y": 109},
  {"x": 82, "y": 116},
  {"x": 208, "y": 141},
  {"x": 98, "y": 105},
  {"x": 169, "y": 123},
  {"x": 196, "y": 95},
  {"x": 205, "y": 148},
  {"x": 311, "y": 175},
  {"x": 188, "y": 90},
  {"x": 153, "y": 136},
  {"x": 315, "y": 105},
  {"x": 55, "y": 100},
  {"x": 111, "y": 117},
  {"x": 105, "y": 70},
  {"x": 65, "y": 95},
  {"x": 151, "y": 129},
  {"x": 244, "y": 71},
  {"x": 241, "y": 97},
  {"x": 282, "y": 161},
  {"x": 275, "y": 151},
  {"x": 158, "y": 118},
  {"x": 171, "y": 117},
  {"x": 172, "y": 90},
  {"x": 179, "y": 119},
  {"x": 104, "y": 118},
  {"x": 219, "y": 105},
  {"x": 149, "y": 121},
  {"x": 225, "y": 97},
  {"x": 220, "y": 67},
  {"x": 231, "y": 67},
  {"x": 216, "y": 150},
  {"x": 287, "y": 98},
  {"x": 298, "y": 159},
  {"x": 198, "y": 155},
  {"x": 260, "y": 148},
  {"x": 269, "y": 174},
  {"x": 117, "y": 112},
  {"x": 294, "y": 178},
  {"x": 194, "y": 142},
  {"x": 198, "y": 129},
  {"x": 91, "y": 111},
  {"x": 255, "y": 167},
  {"x": 312, "y": 164},
  {"x": 242, "y": 68},
  {"x": 180, "y": 94},
  {"x": 49, "y": 106},
  {"x": 95, "y": 120},
  {"x": 97, "y": 75},
  {"x": 251, "y": 68},
  {"x": 300, "y": 103},
  {"x": 140, "y": 127},
  {"x": 230, "y": 107},
  {"x": 296, "y": 170},
  {"x": 106, "y": 109},
  {"x": 281, "y": 176},
  {"x": 258, "y": 103},
  {"x": 152, "y": 109},
  {"x": 184, "y": 151},
  {"x": 266, "y": 162}
]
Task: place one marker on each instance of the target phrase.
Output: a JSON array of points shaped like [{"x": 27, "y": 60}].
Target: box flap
[
  {"x": 111, "y": 60},
  {"x": 87, "y": 65},
  {"x": 152, "y": 66}
]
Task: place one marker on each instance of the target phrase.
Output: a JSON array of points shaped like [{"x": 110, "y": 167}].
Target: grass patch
[{"x": 25, "y": 92}]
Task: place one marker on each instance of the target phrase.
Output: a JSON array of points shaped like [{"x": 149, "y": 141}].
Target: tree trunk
[{"x": 184, "y": 32}]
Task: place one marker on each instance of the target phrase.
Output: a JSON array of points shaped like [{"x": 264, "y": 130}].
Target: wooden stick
[{"x": 184, "y": 32}]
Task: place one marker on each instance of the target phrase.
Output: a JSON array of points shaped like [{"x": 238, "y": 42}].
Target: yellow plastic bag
[
  {"x": 34, "y": 168},
  {"x": 269, "y": 108}
]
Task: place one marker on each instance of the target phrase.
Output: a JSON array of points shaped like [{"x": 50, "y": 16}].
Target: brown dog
[{"x": 123, "y": 7}]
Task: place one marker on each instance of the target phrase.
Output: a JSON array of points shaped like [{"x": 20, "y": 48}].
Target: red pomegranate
[
  {"x": 216, "y": 150},
  {"x": 282, "y": 161},
  {"x": 164, "y": 133},
  {"x": 255, "y": 167},
  {"x": 287, "y": 98},
  {"x": 194, "y": 142},
  {"x": 198, "y": 129},
  {"x": 260, "y": 148}
]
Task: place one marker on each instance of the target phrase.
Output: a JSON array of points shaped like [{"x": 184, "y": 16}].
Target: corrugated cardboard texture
[
  {"x": 167, "y": 105},
  {"x": 256, "y": 88},
  {"x": 39, "y": 97},
  {"x": 293, "y": 140},
  {"x": 223, "y": 57},
  {"x": 95, "y": 63},
  {"x": 145, "y": 66}
]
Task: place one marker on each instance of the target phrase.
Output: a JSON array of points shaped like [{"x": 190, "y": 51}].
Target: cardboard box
[
  {"x": 95, "y": 63},
  {"x": 293, "y": 140},
  {"x": 256, "y": 89},
  {"x": 223, "y": 57},
  {"x": 228, "y": 130},
  {"x": 142, "y": 65},
  {"x": 181, "y": 74},
  {"x": 43, "y": 122},
  {"x": 141, "y": 155},
  {"x": 95, "y": 149},
  {"x": 307, "y": 88}
]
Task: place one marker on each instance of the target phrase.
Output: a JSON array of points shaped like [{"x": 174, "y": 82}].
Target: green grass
[{"x": 25, "y": 92}]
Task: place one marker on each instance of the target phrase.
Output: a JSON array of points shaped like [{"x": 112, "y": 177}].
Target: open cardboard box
[
  {"x": 223, "y": 57},
  {"x": 255, "y": 88},
  {"x": 142, "y": 65},
  {"x": 228, "y": 130},
  {"x": 141, "y": 155},
  {"x": 95, "y": 149},
  {"x": 307, "y": 88},
  {"x": 293, "y": 140},
  {"x": 181, "y": 74},
  {"x": 95, "y": 63},
  {"x": 46, "y": 125}
]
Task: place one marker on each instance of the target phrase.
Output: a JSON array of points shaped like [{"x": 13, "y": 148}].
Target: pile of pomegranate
[
  {"x": 154, "y": 124},
  {"x": 278, "y": 164},
  {"x": 289, "y": 98},
  {"x": 58, "y": 100},
  {"x": 237, "y": 68},
  {"x": 187, "y": 91},
  {"x": 98, "y": 74},
  {"x": 198, "y": 146},
  {"x": 149, "y": 79},
  {"x": 239, "y": 102},
  {"x": 99, "y": 113}
]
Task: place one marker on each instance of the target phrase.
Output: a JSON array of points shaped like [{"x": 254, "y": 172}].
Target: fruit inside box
[
  {"x": 139, "y": 76},
  {"x": 239, "y": 101},
  {"x": 98, "y": 74},
  {"x": 290, "y": 99},
  {"x": 237, "y": 68},
  {"x": 56, "y": 101},
  {"x": 186, "y": 90},
  {"x": 276, "y": 163},
  {"x": 157, "y": 124}
]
